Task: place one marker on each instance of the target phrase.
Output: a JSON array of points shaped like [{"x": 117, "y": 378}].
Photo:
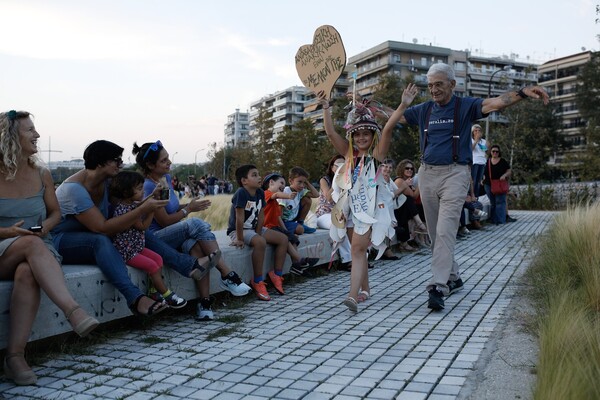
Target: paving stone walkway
[{"x": 306, "y": 345}]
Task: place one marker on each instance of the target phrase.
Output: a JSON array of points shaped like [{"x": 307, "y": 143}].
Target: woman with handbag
[{"x": 496, "y": 175}]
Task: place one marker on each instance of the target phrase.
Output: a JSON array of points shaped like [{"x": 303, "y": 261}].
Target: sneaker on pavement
[
  {"x": 308, "y": 229},
  {"x": 277, "y": 281},
  {"x": 310, "y": 262},
  {"x": 204, "y": 310},
  {"x": 175, "y": 301},
  {"x": 154, "y": 295},
  {"x": 455, "y": 286},
  {"x": 301, "y": 270},
  {"x": 233, "y": 284},
  {"x": 480, "y": 213},
  {"x": 261, "y": 290},
  {"x": 436, "y": 300}
]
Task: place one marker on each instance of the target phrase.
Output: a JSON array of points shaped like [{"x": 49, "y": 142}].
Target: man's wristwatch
[
  {"x": 521, "y": 94},
  {"x": 185, "y": 212}
]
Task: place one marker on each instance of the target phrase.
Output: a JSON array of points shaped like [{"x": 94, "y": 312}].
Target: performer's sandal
[{"x": 351, "y": 303}]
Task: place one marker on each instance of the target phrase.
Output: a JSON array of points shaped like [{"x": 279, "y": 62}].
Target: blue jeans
[
  {"x": 497, "y": 206},
  {"x": 471, "y": 206},
  {"x": 477, "y": 175},
  {"x": 180, "y": 262},
  {"x": 185, "y": 234},
  {"x": 96, "y": 248}
]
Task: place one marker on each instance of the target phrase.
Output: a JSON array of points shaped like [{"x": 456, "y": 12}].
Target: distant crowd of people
[
  {"x": 204, "y": 186},
  {"x": 112, "y": 218}
]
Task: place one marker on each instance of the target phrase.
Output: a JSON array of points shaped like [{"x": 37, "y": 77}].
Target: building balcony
[
  {"x": 281, "y": 101},
  {"x": 280, "y": 113}
]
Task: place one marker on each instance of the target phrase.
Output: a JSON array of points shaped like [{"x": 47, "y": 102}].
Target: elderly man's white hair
[{"x": 442, "y": 68}]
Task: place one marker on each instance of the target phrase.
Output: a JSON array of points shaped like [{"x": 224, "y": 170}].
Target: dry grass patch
[{"x": 565, "y": 280}]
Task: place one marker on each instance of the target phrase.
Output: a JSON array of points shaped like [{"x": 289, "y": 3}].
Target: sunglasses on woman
[{"x": 154, "y": 147}]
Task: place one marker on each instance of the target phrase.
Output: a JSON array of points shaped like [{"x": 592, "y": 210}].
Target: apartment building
[
  {"x": 560, "y": 79},
  {"x": 286, "y": 107},
  {"x": 405, "y": 59},
  {"x": 237, "y": 129}
]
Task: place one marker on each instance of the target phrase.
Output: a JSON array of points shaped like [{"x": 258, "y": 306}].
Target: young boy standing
[
  {"x": 246, "y": 228},
  {"x": 296, "y": 209}
]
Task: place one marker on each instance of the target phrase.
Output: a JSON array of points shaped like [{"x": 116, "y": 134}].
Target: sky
[{"x": 173, "y": 70}]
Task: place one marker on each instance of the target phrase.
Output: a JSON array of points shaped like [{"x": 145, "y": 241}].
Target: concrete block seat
[{"x": 93, "y": 292}]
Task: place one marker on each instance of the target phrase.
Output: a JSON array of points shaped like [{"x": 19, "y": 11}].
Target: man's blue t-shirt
[
  {"x": 251, "y": 205},
  {"x": 438, "y": 149}
]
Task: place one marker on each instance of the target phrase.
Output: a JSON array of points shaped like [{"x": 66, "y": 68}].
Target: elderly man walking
[{"x": 444, "y": 176}]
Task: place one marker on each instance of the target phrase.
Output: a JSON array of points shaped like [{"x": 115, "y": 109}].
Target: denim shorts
[{"x": 184, "y": 235}]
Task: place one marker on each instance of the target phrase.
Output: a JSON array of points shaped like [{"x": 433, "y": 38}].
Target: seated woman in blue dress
[{"x": 28, "y": 211}]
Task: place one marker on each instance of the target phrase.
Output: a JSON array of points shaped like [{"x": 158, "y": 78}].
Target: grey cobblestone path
[{"x": 306, "y": 345}]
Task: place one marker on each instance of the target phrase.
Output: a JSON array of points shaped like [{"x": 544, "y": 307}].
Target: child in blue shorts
[
  {"x": 246, "y": 228},
  {"x": 296, "y": 209}
]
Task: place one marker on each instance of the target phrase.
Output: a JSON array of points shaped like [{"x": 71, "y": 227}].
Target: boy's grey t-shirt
[{"x": 291, "y": 208}]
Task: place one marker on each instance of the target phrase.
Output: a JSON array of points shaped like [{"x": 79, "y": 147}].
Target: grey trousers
[{"x": 443, "y": 191}]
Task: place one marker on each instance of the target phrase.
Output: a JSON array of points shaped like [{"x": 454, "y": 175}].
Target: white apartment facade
[{"x": 237, "y": 129}]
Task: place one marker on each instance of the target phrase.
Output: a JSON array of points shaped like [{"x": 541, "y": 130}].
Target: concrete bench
[{"x": 94, "y": 293}]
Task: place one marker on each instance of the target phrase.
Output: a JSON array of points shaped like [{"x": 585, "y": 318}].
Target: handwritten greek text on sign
[{"x": 321, "y": 63}]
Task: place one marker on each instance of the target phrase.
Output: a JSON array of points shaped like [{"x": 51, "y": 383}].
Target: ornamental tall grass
[
  {"x": 217, "y": 214},
  {"x": 565, "y": 280}
]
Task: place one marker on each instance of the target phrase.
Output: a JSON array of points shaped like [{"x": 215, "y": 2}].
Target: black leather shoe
[
  {"x": 436, "y": 300},
  {"x": 455, "y": 286}
]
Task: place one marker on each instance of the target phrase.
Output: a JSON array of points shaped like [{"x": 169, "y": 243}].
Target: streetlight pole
[
  {"x": 225, "y": 162},
  {"x": 196, "y": 158},
  {"x": 487, "y": 119},
  {"x": 173, "y": 158}
]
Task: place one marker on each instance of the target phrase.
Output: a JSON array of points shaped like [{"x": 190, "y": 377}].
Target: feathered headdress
[{"x": 362, "y": 116}]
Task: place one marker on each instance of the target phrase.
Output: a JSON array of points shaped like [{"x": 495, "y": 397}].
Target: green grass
[{"x": 565, "y": 279}]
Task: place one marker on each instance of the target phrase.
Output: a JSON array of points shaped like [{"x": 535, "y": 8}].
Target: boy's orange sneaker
[
  {"x": 277, "y": 281},
  {"x": 261, "y": 290}
]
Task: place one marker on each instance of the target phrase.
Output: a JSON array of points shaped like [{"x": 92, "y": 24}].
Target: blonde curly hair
[{"x": 10, "y": 146}]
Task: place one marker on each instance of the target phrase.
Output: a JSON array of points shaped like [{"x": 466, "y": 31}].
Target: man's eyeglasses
[{"x": 154, "y": 147}]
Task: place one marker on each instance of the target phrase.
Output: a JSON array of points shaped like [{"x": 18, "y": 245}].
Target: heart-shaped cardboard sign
[{"x": 321, "y": 63}]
